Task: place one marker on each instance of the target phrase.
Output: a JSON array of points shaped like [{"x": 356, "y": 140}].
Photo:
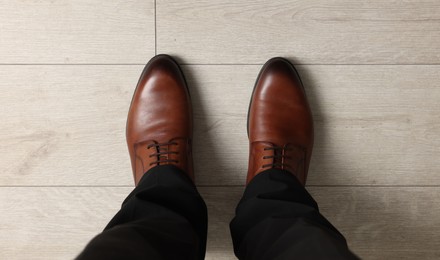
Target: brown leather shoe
[
  {"x": 159, "y": 124},
  {"x": 280, "y": 124}
]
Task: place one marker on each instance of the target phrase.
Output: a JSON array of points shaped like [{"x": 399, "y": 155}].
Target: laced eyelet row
[
  {"x": 278, "y": 155},
  {"x": 160, "y": 147}
]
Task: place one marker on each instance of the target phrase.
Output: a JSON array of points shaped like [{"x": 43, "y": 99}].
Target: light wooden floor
[{"x": 371, "y": 70}]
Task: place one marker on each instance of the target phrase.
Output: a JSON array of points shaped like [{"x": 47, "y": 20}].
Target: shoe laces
[
  {"x": 278, "y": 158},
  {"x": 162, "y": 152}
]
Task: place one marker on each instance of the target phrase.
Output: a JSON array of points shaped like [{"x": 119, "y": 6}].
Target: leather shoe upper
[
  {"x": 280, "y": 124},
  {"x": 159, "y": 124}
]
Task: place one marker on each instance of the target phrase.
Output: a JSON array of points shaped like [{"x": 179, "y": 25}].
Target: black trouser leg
[
  {"x": 163, "y": 218},
  {"x": 278, "y": 219}
]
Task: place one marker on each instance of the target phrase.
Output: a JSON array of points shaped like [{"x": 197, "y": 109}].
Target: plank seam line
[
  {"x": 218, "y": 186},
  {"x": 205, "y": 64}
]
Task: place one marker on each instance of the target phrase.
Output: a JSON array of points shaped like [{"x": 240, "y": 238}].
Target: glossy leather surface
[
  {"x": 280, "y": 124},
  {"x": 159, "y": 124}
]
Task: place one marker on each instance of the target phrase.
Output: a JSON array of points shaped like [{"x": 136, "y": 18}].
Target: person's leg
[
  {"x": 278, "y": 219},
  {"x": 163, "y": 218}
]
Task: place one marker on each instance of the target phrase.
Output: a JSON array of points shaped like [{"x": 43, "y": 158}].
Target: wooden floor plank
[
  {"x": 310, "y": 32},
  {"x": 65, "y": 165},
  {"x": 65, "y": 125},
  {"x": 76, "y": 32},
  {"x": 378, "y": 222},
  {"x": 374, "y": 125}
]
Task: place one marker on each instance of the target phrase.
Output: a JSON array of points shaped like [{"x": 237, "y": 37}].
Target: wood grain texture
[
  {"x": 311, "y": 32},
  {"x": 65, "y": 165},
  {"x": 65, "y": 125},
  {"x": 76, "y": 31},
  {"x": 374, "y": 125},
  {"x": 378, "y": 222},
  {"x": 54, "y": 222}
]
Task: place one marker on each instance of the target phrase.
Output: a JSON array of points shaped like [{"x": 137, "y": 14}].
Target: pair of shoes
[{"x": 280, "y": 124}]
